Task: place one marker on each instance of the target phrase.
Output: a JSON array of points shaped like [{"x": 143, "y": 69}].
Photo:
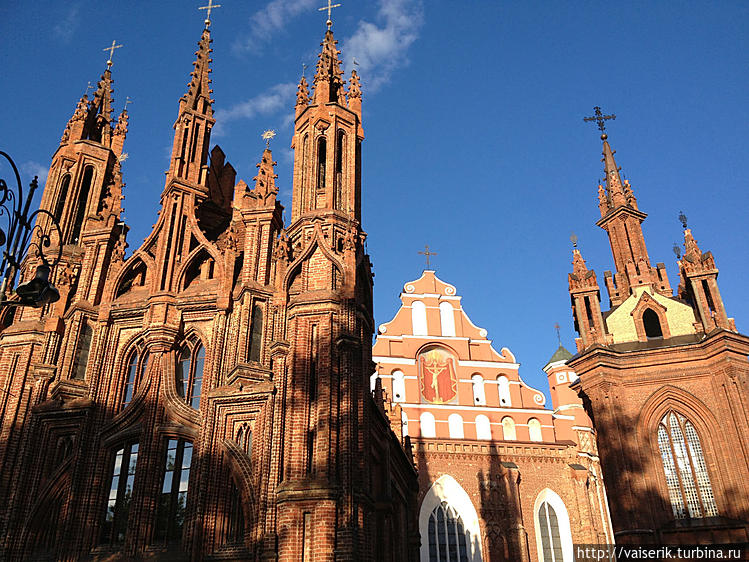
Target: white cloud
[
  {"x": 271, "y": 19},
  {"x": 381, "y": 47},
  {"x": 276, "y": 98},
  {"x": 66, "y": 27},
  {"x": 30, "y": 169}
]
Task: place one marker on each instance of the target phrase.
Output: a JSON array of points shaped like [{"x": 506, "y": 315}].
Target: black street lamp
[{"x": 20, "y": 239}]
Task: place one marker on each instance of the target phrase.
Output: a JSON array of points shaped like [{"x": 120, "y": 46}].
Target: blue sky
[{"x": 475, "y": 142}]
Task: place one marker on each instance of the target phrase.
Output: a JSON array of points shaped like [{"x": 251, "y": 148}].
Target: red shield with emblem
[{"x": 437, "y": 376}]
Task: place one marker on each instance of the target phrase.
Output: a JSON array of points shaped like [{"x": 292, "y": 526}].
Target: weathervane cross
[
  {"x": 601, "y": 119},
  {"x": 329, "y": 9},
  {"x": 427, "y": 253},
  {"x": 209, "y": 8},
  {"x": 111, "y": 52}
]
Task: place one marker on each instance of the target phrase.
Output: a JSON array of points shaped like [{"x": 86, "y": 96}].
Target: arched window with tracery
[
  {"x": 689, "y": 487},
  {"x": 553, "y": 531},
  {"x": 190, "y": 374},
  {"x": 549, "y": 531},
  {"x": 448, "y": 540},
  {"x": 136, "y": 366}
]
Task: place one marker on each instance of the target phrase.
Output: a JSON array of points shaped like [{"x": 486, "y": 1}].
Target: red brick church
[
  {"x": 207, "y": 397},
  {"x": 665, "y": 378},
  {"x": 212, "y": 396}
]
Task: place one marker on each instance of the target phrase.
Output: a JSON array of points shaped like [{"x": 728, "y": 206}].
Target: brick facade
[
  {"x": 207, "y": 397},
  {"x": 665, "y": 378},
  {"x": 469, "y": 416}
]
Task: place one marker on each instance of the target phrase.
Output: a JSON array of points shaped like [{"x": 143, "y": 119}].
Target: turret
[
  {"x": 586, "y": 303},
  {"x": 700, "y": 285}
]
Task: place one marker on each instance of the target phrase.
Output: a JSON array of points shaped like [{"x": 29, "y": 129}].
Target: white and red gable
[{"x": 448, "y": 379}]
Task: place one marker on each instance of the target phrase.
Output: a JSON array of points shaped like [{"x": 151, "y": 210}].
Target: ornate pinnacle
[
  {"x": 302, "y": 94},
  {"x": 354, "y": 89}
]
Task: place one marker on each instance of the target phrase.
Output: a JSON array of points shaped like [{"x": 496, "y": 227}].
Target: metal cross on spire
[
  {"x": 427, "y": 254},
  {"x": 601, "y": 119},
  {"x": 209, "y": 8},
  {"x": 329, "y": 9},
  {"x": 111, "y": 52},
  {"x": 267, "y": 136}
]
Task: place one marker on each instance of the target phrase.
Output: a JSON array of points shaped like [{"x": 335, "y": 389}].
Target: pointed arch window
[
  {"x": 551, "y": 542},
  {"x": 256, "y": 331},
  {"x": 190, "y": 374},
  {"x": 120, "y": 496},
  {"x": 340, "y": 142},
  {"x": 689, "y": 487},
  {"x": 82, "y": 351},
  {"x": 652, "y": 324},
  {"x": 136, "y": 366},
  {"x": 62, "y": 197},
  {"x": 88, "y": 176},
  {"x": 322, "y": 155},
  {"x": 234, "y": 528},
  {"x": 244, "y": 438},
  {"x": 448, "y": 539},
  {"x": 553, "y": 530}
]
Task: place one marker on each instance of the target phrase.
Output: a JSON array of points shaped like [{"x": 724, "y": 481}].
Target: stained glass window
[
  {"x": 688, "y": 482},
  {"x": 448, "y": 538},
  {"x": 551, "y": 541}
]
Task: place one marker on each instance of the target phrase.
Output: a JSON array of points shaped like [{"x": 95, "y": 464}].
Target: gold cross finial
[
  {"x": 267, "y": 136},
  {"x": 427, "y": 253},
  {"x": 209, "y": 7},
  {"x": 600, "y": 118},
  {"x": 329, "y": 9},
  {"x": 111, "y": 52}
]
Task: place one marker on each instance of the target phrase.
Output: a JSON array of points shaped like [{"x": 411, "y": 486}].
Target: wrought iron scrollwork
[{"x": 23, "y": 237}]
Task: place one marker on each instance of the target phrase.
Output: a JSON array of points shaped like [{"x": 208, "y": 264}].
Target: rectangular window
[
  {"x": 170, "y": 519},
  {"x": 120, "y": 495}
]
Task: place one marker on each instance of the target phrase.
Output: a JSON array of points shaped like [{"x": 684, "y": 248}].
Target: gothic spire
[
  {"x": 614, "y": 186},
  {"x": 329, "y": 77},
  {"x": 195, "y": 120},
  {"x": 302, "y": 95},
  {"x": 198, "y": 95},
  {"x": 265, "y": 180}
]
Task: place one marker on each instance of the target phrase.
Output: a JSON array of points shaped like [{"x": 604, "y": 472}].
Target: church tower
[
  {"x": 208, "y": 396},
  {"x": 664, "y": 378}
]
